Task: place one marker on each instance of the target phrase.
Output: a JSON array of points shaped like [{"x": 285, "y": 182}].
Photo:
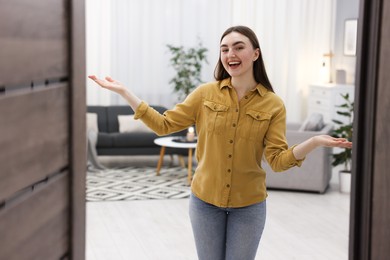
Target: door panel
[
  {"x": 35, "y": 235},
  {"x": 35, "y": 137},
  {"x": 34, "y": 41}
]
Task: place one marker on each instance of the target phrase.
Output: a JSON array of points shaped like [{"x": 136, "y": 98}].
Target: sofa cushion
[
  {"x": 314, "y": 122},
  {"x": 92, "y": 122},
  {"x": 105, "y": 140},
  {"x": 134, "y": 139},
  {"x": 127, "y": 124},
  {"x": 101, "y": 115},
  {"x": 112, "y": 116}
]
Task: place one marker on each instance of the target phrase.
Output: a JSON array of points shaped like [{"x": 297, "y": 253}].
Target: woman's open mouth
[{"x": 234, "y": 64}]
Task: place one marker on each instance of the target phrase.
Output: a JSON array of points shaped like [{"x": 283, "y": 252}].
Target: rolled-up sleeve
[
  {"x": 173, "y": 120},
  {"x": 277, "y": 153},
  {"x": 141, "y": 110}
]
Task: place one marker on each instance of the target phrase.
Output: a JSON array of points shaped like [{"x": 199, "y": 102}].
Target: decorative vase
[{"x": 345, "y": 181}]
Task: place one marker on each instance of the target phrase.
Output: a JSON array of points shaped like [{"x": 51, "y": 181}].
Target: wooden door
[
  {"x": 370, "y": 204},
  {"x": 42, "y": 132}
]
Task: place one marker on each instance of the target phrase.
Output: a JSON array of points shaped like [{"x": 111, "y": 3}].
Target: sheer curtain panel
[{"x": 127, "y": 39}]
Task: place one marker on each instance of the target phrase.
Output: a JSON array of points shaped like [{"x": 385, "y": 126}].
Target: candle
[{"x": 190, "y": 134}]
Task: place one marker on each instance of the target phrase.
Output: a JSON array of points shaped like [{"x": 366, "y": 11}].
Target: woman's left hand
[
  {"x": 302, "y": 149},
  {"x": 329, "y": 141}
]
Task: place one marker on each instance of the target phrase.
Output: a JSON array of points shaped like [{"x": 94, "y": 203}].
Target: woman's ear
[{"x": 257, "y": 54}]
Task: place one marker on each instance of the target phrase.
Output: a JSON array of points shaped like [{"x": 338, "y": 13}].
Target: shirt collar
[{"x": 259, "y": 88}]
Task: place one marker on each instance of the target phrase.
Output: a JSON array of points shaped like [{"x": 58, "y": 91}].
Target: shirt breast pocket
[
  {"x": 216, "y": 116},
  {"x": 257, "y": 123}
]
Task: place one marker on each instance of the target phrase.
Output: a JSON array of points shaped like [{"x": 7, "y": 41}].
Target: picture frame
[{"x": 350, "y": 37}]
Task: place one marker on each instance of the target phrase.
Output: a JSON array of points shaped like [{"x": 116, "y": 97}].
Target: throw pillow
[
  {"x": 127, "y": 123},
  {"x": 314, "y": 122},
  {"x": 92, "y": 122}
]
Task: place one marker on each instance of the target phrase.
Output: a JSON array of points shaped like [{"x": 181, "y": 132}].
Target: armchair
[{"x": 315, "y": 172}]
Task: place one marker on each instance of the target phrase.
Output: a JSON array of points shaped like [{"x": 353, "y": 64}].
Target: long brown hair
[{"x": 258, "y": 66}]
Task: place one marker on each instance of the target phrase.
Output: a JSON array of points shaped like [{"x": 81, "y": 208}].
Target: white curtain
[{"x": 127, "y": 39}]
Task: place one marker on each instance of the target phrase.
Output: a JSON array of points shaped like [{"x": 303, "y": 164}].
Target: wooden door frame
[{"x": 77, "y": 106}]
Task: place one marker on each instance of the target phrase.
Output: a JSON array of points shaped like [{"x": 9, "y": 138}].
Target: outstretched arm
[
  {"x": 302, "y": 149},
  {"x": 118, "y": 88}
]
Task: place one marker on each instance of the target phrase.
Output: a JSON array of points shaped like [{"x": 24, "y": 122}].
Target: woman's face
[{"x": 238, "y": 55}]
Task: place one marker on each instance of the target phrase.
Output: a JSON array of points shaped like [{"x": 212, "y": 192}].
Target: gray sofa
[
  {"x": 112, "y": 142},
  {"x": 316, "y": 171}
]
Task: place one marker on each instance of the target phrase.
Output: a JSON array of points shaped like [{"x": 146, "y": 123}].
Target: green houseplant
[
  {"x": 344, "y": 129},
  {"x": 188, "y": 65}
]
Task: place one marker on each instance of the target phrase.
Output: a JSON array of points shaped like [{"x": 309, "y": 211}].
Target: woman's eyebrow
[{"x": 234, "y": 44}]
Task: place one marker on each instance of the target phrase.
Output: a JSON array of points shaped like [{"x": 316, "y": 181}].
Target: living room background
[{"x": 127, "y": 40}]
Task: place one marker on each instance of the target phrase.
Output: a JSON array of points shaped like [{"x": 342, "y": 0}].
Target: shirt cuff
[
  {"x": 141, "y": 110},
  {"x": 294, "y": 161}
]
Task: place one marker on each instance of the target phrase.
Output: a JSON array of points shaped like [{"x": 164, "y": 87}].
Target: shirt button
[
  {"x": 231, "y": 141},
  {"x": 257, "y": 117},
  {"x": 229, "y": 170},
  {"x": 227, "y": 185},
  {"x": 236, "y": 109},
  {"x": 246, "y": 97},
  {"x": 234, "y": 125},
  {"x": 230, "y": 156}
]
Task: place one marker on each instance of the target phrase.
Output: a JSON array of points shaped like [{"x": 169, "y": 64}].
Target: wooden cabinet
[{"x": 324, "y": 99}]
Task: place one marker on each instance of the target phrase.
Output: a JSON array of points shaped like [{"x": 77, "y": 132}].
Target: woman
[{"x": 238, "y": 120}]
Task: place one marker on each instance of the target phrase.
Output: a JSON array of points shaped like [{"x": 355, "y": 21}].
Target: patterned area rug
[{"x": 136, "y": 183}]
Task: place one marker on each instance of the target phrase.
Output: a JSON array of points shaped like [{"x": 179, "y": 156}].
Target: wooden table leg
[
  {"x": 181, "y": 161},
  {"x": 172, "y": 161},
  {"x": 160, "y": 161},
  {"x": 189, "y": 166}
]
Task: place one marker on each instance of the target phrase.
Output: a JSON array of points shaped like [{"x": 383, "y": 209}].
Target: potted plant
[
  {"x": 188, "y": 65},
  {"x": 344, "y": 129}
]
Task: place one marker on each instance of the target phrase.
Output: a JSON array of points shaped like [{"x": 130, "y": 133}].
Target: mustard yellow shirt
[{"x": 232, "y": 135}]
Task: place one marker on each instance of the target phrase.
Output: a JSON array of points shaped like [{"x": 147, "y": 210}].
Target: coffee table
[{"x": 168, "y": 142}]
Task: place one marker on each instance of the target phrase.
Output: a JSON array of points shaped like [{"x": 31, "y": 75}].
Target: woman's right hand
[
  {"x": 119, "y": 88},
  {"x": 110, "y": 84}
]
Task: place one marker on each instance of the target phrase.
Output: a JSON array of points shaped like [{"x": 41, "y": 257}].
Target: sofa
[
  {"x": 119, "y": 134},
  {"x": 316, "y": 171}
]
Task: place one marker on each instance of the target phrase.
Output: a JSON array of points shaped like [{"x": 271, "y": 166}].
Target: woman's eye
[
  {"x": 240, "y": 48},
  {"x": 224, "y": 50}
]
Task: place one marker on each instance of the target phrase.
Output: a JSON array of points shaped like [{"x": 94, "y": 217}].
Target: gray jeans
[{"x": 226, "y": 233}]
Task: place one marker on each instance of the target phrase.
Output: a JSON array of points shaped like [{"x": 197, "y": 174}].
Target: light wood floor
[{"x": 301, "y": 226}]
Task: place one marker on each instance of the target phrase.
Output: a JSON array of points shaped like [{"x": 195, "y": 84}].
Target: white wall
[
  {"x": 346, "y": 9},
  {"x": 126, "y": 39}
]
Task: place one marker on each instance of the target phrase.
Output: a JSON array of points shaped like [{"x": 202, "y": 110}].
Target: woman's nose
[{"x": 232, "y": 54}]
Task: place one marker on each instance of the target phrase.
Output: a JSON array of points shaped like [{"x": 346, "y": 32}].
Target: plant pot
[{"x": 345, "y": 181}]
